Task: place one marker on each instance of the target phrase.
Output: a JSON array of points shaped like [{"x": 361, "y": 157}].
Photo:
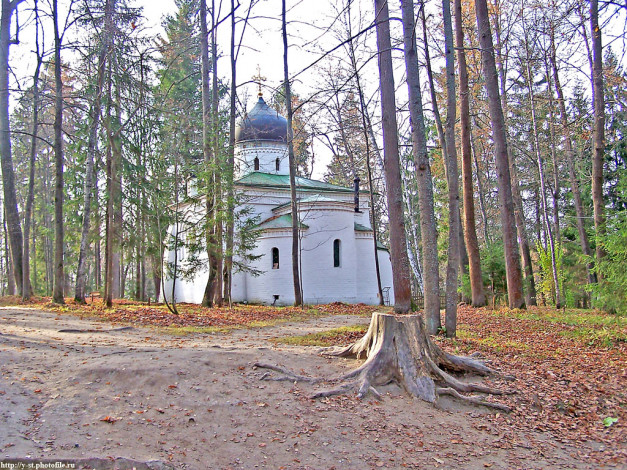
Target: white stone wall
[
  {"x": 266, "y": 152},
  {"x": 185, "y": 290},
  {"x": 385, "y": 270},
  {"x": 353, "y": 281},
  {"x": 238, "y": 287},
  {"x": 322, "y": 282}
]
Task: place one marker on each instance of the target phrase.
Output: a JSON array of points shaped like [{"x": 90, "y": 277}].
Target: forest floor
[{"x": 138, "y": 384}]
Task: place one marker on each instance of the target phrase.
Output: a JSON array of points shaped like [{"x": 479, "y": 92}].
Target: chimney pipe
[{"x": 356, "y": 181}]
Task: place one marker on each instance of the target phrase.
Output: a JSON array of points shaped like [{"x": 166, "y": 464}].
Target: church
[{"x": 337, "y": 260}]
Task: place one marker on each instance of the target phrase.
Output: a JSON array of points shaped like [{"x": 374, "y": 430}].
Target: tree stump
[{"x": 397, "y": 348}]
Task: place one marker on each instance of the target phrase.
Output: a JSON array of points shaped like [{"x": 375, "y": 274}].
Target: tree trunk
[
  {"x": 470, "y": 231},
  {"x": 219, "y": 167},
  {"x": 521, "y": 227},
  {"x": 540, "y": 163},
  {"x": 463, "y": 258},
  {"x": 598, "y": 154},
  {"x": 298, "y": 293},
  {"x": 59, "y": 279},
  {"x": 230, "y": 169},
  {"x": 508, "y": 224},
  {"x": 519, "y": 215},
  {"x": 429, "y": 236},
  {"x": 111, "y": 175},
  {"x": 394, "y": 193},
  {"x": 94, "y": 115},
  {"x": 7, "y": 258},
  {"x": 97, "y": 244},
  {"x": 27, "y": 290},
  {"x": 452, "y": 266},
  {"x": 207, "y": 152},
  {"x": 482, "y": 210},
  {"x": 116, "y": 195},
  {"x": 373, "y": 215},
  {"x": 555, "y": 191},
  {"x": 8, "y": 175},
  {"x": 574, "y": 185}
]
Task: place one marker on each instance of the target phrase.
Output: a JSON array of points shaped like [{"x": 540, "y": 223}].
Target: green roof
[
  {"x": 362, "y": 228},
  {"x": 309, "y": 199},
  {"x": 269, "y": 180},
  {"x": 281, "y": 222}
]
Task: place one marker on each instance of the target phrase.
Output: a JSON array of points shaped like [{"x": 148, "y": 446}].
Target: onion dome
[{"x": 262, "y": 123}]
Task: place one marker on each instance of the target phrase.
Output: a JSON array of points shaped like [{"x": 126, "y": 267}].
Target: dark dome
[{"x": 262, "y": 123}]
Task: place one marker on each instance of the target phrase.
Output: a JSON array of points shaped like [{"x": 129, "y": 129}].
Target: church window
[
  {"x": 336, "y": 253},
  {"x": 278, "y": 164},
  {"x": 275, "y": 258},
  {"x": 256, "y": 163}
]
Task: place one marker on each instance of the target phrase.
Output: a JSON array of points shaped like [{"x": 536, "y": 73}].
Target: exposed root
[
  {"x": 287, "y": 375},
  {"x": 341, "y": 390},
  {"x": 398, "y": 349},
  {"x": 474, "y": 400}
]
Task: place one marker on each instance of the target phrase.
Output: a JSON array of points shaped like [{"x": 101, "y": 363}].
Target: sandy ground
[{"x": 72, "y": 388}]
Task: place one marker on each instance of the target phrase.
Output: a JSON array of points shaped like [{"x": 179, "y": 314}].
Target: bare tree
[
  {"x": 230, "y": 168},
  {"x": 398, "y": 244},
  {"x": 94, "y": 117},
  {"x": 218, "y": 166},
  {"x": 452, "y": 265},
  {"x": 364, "y": 123},
  {"x": 59, "y": 281},
  {"x": 502, "y": 56},
  {"x": 27, "y": 290},
  {"x": 298, "y": 293},
  {"x": 570, "y": 161},
  {"x": 508, "y": 224},
  {"x": 11, "y": 211},
  {"x": 428, "y": 231},
  {"x": 208, "y": 147},
  {"x": 540, "y": 163},
  {"x": 470, "y": 231},
  {"x": 599, "y": 131}
]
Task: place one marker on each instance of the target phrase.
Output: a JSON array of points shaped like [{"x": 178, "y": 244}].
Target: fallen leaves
[
  {"x": 566, "y": 385},
  {"x": 109, "y": 419},
  {"x": 192, "y": 316}
]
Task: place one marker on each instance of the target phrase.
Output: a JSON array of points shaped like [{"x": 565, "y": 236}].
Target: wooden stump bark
[{"x": 397, "y": 348}]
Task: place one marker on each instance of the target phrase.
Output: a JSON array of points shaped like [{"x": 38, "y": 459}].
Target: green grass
[
  {"x": 599, "y": 336},
  {"x": 589, "y": 327},
  {"x": 323, "y": 338},
  {"x": 573, "y": 317},
  {"x": 187, "y": 330},
  {"x": 490, "y": 341}
]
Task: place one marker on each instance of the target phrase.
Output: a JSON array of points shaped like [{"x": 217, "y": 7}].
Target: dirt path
[{"x": 75, "y": 389}]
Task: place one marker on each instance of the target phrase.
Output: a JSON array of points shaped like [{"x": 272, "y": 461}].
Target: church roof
[
  {"x": 262, "y": 123},
  {"x": 280, "y": 222},
  {"x": 268, "y": 180},
  {"x": 313, "y": 198},
  {"x": 362, "y": 228}
]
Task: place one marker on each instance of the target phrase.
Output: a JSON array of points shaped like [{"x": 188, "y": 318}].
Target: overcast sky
[{"x": 308, "y": 23}]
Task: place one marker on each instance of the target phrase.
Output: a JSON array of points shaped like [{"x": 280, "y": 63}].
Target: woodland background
[{"x": 115, "y": 127}]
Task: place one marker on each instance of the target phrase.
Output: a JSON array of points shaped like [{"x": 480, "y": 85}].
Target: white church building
[{"x": 336, "y": 237}]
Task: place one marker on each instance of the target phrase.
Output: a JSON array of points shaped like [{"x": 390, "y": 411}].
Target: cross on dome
[{"x": 258, "y": 79}]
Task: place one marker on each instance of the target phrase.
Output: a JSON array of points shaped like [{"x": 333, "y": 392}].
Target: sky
[{"x": 262, "y": 47}]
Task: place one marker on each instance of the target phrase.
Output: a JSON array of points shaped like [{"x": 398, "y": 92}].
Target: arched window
[
  {"x": 336, "y": 253},
  {"x": 278, "y": 164},
  {"x": 256, "y": 163},
  {"x": 275, "y": 258}
]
